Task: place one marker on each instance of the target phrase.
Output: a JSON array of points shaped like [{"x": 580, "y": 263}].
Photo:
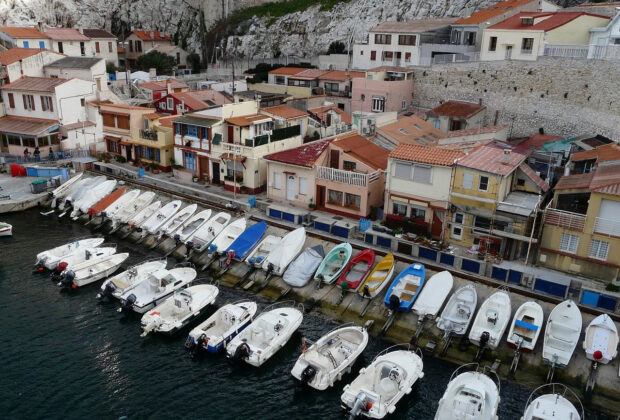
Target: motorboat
[
  {"x": 330, "y": 357},
  {"x": 459, "y": 311},
  {"x": 50, "y": 258},
  {"x": 155, "y": 287},
  {"x": 6, "y": 229},
  {"x": 433, "y": 295},
  {"x": 378, "y": 278},
  {"x": 377, "y": 389},
  {"x": 301, "y": 270},
  {"x": 192, "y": 225},
  {"x": 246, "y": 241},
  {"x": 562, "y": 334},
  {"x": 334, "y": 262},
  {"x": 133, "y": 209},
  {"x": 63, "y": 199},
  {"x": 153, "y": 224},
  {"x": 179, "y": 309},
  {"x": 179, "y": 219},
  {"x": 227, "y": 236},
  {"x": 80, "y": 190},
  {"x": 221, "y": 327},
  {"x": 601, "y": 340},
  {"x": 92, "y": 270},
  {"x": 526, "y": 326},
  {"x": 552, "y": 402},
  {"x": 356, "y": 270},
  {"x": 470, "y": 395},
  {"x": 203, "y": 237},
  {"x": 492, "y": 320},
  {"x": 65, "y": 189},
  {"x": 91, "y": 197},
  {"x": 145, "y": 214},
  {"x": 126, "y": 200},
  {"x": 267, "y": 334},
  {"x": 116, "y": 285},
  {"x": 405, "y": 288},
  {"x": 106, "y": 201},
  {"x": 259, "y": 254},
  {"x": 80, "y": 256},
  {"x": 285, "y": 251}
]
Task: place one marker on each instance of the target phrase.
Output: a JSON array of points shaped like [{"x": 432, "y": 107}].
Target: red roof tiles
[
  {"x": 492, "y": 11},
  {"x": 66, "y": 34},
  {"x": 570, "y": 182},
  {"x": 22, "y": 32},
  {"x": 35, "y": 84},
  {"x": 412, "y": 130},
  {"x": 536, "y": 141},
  {"x": 457, "y": 109},
  {"x": 364, "y": 150},
  {"x": 527, "y": 170},
  {"x": 606, "y": 180},
  {"x": 25, "y": 125},
  {"x": 544, "y": 21},
  {"x": 321, "y": 113},
  {"x": 152, "y": 35},
  {"x": 606, "y": 153},
  {"x": 287, "y": 71},
  {"x": 428, "y": 155},
  {"x": 305, "y": 155},
  {"x": 490, "y": 158},
  {"x": 284, "y": 111},
  {"x": 342, "y": 75},
  {"x": 161, "y": 85},
  {"x": 16, "y": 54}
]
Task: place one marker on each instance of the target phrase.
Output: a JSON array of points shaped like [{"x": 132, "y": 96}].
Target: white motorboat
[
  {"x": 132, "y": 209},
  {"x": 470, "y": 396},
  {"x": 116, "y": 285},
  {"x": 267, "y": 334},
  {"x": 324, "y": 362},
  {"x": 552, "y": 403},
  {"x": 285, "y": 252},
  {"x": 227, "y": 236},
  {"x": 259, "y": 254},
  {"x": 562, "y": 334},
  {"x": 221, "y": 327},
  {"x": 144, "y": 214},
  {"x": 92, "y": 270},
  {"x": 601, "y": 340},
  {"x": 153, "y": 224},
  {"x": 433, "y": 295},
  {"x": 526, "y": 326},
  {"x": 84, "y": 185},
  {"x": 377, "y": 389},
  {"x": 6, "y": 229},
  {"x": 81, "y": 255},
  {"x": 192, "y": 225},
  {"x": 301, "y": 270},
  {"x": 156, "y": 287},
  {"x": 91, "y": 197},
  {"x": 491, "y": 321},
  {"x": 179, "y": 309},
  {"x": 179, "y": 219},
  {"x": 50, "y": 258},
  {"x": 459, "y": 311},
  {"x": 65, "y": 189},
  {"x": 203, "y": 237},
  {"x": 125, "y": 200}
]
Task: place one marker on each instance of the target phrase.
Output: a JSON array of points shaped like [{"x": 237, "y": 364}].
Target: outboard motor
[
  {"x": 308, "y": 374},
  {"x": 107, "y": 290},
  {"x": 366, "y": 291},
  {"x": 188, "y": 248},
  {"x": 128, "y": 303},
  {"x": 361, "y": 404},
  {"x": 394, "y": 302},
  {"x": 176, "y": 238},
  {"x": 270, "y": 268},
  {"x": 241, "y": 352},
  {"x": 67, "y": 280},
  {"x": 484, "y": 339},
  {"x": 57, "y": 274}
]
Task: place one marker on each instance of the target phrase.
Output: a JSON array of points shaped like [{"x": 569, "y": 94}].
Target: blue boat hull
[
  {"x": 247, "y": 240},
  {"x": 219, "y": 346},
  {"x": 405, "y": 306}
]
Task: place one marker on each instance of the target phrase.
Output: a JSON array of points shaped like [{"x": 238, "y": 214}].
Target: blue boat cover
[
  {"x": 247, "y": 240},
  {"x": 526, "y": 325}
]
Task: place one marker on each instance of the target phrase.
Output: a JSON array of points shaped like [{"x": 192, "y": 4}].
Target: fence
[
  {"x": 44, "y": 157},
  {"x": 567, "y": 51}
]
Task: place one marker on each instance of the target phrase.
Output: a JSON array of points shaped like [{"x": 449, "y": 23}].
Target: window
[
  {"x": 569, "y": 243},
  {"x": 29, "y": 102},
  {"x": 82, "y": 49},
  {"x": 483, "y": 183},
  {"x": 108, "y": 120},
  {"x": 191, "y": 130},
  {"x": 331, "y": 86},
  {"x": 406, "y": 39},
  {"x": 598, "y": 249},
  {"x": 458, "y": 217},
  {"x": 110, "y": 49},
  {"x": 383, "y": 39},
  {"x": 470, "y": 38},
  {"x": 493, "y": 43},
  {"x": 139, "y": 46},
  {"x": 527, "y": 21},
  {"x": 373, "y": 55},
  {"x": 348, "y": 166},
  {"x": 157, "y": 155},
  {"x": 303, "y": 186},
  {"x": 97, "y": 47},
  {"x": 280, "y": 80},
  {"x": 456, "y": 232},
  {"x": 26, "y": 44},
  {"x": 378, "y": 104},
  {"x": 418, "y": 212},
  {"x": 455, "y": 125},
  {"x": 399, "y": 208},
  {"x": 482, "y": 222},
  {"x": 113, "y": 146},
  {"x": 122, "y": 122},
  {"x": 11, "y": 101},
  {"x": 190, "y": 161},
  {"x": 407, "y": 57},
  {"x": 402, "y": 170},
  {"x": 362, "y": 97},
  {"x": 42, "y": 44},
  {"x": 520, "y": 182},
  {"x": 82, "y": 102},
  {"x": 436, "y": 123},
  {"x": 334, "y": 197},
  {"x": 468, "y": 181},
  {"x": 352, "y": 200},
  {"x": 387, "y": 56},
  {"x": 526, "y": 45},
  {"x": 178, "y": 58},
  {"x": 130, "y": 43},
  {"x": 455, "y": 37},
  {"x": 178, "y": 128},
  {"x": 277, "y": 180},
  {"x": 170, "y": 102},
  {"x": 47, "y": 104},
  {"x": 404, "y": 105},
  {"x": 422, "y": 174}
]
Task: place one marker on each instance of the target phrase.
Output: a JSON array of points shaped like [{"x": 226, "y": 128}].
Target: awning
[
  {"x": 511, "y": 235},
  {"x": 230, "y": 156},
  {"x": 30, "y": 127}
]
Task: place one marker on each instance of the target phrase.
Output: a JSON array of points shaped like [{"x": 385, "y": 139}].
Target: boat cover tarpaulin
[{"x": 18, "y": 170}]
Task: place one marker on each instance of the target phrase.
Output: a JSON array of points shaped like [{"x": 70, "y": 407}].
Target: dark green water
[{"x": 63, "y": 355}]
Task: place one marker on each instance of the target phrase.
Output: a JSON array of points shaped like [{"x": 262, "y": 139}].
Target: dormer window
[{"x": 527, "y": 21}]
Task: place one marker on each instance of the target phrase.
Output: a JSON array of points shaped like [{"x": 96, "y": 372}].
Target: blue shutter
[
  {"x": 42, "y": 45},
  {"x": 26, "y": 44}
]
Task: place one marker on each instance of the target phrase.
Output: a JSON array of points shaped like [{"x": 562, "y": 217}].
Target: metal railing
[
  {"x": 44, "y": 157},
  {"x": 148, "y": 135},
  {"x": 346, "y": 177},
  {"x": 567, "y": 51},
  {"x": 565, "y": 219},
  {"x": 607, "y": 226}
]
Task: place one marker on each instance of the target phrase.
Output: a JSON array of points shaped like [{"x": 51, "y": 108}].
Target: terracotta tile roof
[
  {"x": 570, "y": 182},
  {"x": 413, "y": 26},
  {"x": 342, "y": 75},
  {"x": 473, "y": 131},
  {"x": 22, "y": 32},
  {"x": 66, "y": 34},
  {"x": 606, "y": 153},
  {"x": 429, "y": 155},
  {"x": 460, "y": 109},
  {"x": 199, "y": 99},
  {"x": 167, "y": 121},
  {"x": 364, "y": 150},
  {"x": 552, "y": 20},
  {"x": 465, "y": 146},
  {"x": 487, "y": 13},
  {"x": 536, "y": 141},
  {"x": 98, "y": 33},
  {"x": 161, "y": 85},
  {"x": 412, "y": 130},
  {"x": 284, "y": 111},
  {"x": 606, "y": 180},
  {"x": 26, "y": 125},
  {"x": 155, "y": 115},
  {"x": 156, "y": 35},
  {"x": 128, "y": 107},
  {"x": 35, "y": 84},
  {"x": 15, "y": 54},
  {"x": 531, "y": 174},
  {"x": 287, "y": 71},
  {"x": 305, "y": 155},
  {"x": 247, "y": 120},
  {"x": 322, "y": 111},
  {"x": 309, "y": 74},
  {"x": 488, "y": 158}
]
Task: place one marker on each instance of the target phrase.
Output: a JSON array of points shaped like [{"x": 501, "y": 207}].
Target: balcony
[
  {"x": 346, "y": 177},
  {"x": 565, "y": 219},
  {"x": 148, "y": 135},
  {"x": 607, "y": 227},
  {"x": 339, "y": 93}
]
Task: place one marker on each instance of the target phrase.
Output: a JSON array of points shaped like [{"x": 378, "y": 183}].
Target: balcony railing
[
  {"x": 607, "y": 226},
  {"x": 148, "y": 135},
  {"x": 346, "y": 177},
  {"x": 567, "y": 51},
  {"x": 565, "y": 219},
  {"x": 341, "y": 93}
]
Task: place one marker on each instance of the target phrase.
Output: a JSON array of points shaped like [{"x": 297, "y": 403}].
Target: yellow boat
[{"x": 378, "y": 278}]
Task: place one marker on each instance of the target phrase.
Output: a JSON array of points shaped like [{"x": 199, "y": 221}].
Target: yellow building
[
  {"x": 494, "y": 197},
  {"x": 154, "y": 143}
]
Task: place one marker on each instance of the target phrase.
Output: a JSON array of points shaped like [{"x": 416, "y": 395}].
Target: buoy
[
  {"x": 598, "y": 355},
  {"x": 73, "y": 286},
  {"x": 41, "y": 269}
]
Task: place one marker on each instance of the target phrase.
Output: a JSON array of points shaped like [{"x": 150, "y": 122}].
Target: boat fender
[
  {"x": 598, "y": 355},
  {"x": 229, "y": 256},
  {"x": 307, "y": 374},
  {"x": 344, "y": 285},
  {"x": 260, "y": 259},
  {"x": 394, "y": 302}
]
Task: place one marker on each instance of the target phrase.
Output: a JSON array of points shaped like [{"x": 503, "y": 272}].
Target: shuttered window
[
  {"x": 11, "y": 100},
  {"x": 598, "y": 249},
  {"x": 422, "y": 174},
  {"x": 277, "y": 180},
  {"x": 569, "y": 243},
  {"x": 402, "y": 170},
  {"x": 468, "y": 181},
  {"x": 123, "y": 121},
  {"x": 303, "y": 186},
  {"x": 108, "y": 120}
]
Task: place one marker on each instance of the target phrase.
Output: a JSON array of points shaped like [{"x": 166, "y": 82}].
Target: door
[
  {"x": 508, "y": 52},
  {"x": 334, "y": 159},
  {"x": 290, "y": 187},
  {"x": 216, "y": 173},
  {"x": 203, "y": 162},
  {"x": 320, "y": 196},
  {"x": 128, "y": 152},
  {"x": 231, "y": 134},
  {"x": 437, "y": 226},
  {"x": 99, "y": 85}
]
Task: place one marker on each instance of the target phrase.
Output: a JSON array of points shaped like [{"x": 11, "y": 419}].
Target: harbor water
[{"x": 64, "y": 355}]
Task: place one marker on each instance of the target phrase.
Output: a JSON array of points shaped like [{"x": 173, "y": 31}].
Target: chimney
[
  {"x": 479, "y": 101},
  {"x": 81, "y": 29},
  {"x": 567, "y": 170},
  {"x": 169, "y": 86},
  {"x": 506, "y": 156},
  {"x": 152, "y": 35},
  {"x": 41, "y": 27},
  {"x": 152, "y": 73}
]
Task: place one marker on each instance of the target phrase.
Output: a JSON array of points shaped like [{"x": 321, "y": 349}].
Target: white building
[
  {"x": 20, "y": 62},
  {"x": 605, "y": 41},
  {"x": 177, "y": 53},
  {"x": 70, "y": 41},
  {"x": 24, "y": 37},
  {"x": 91, "y": 69},
  {"x": 103, "y": 45}
]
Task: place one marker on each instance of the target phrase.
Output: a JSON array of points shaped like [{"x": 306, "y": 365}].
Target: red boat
[
  {"x": 106, "y": 201},
  {"x": 356, "y": 271}
]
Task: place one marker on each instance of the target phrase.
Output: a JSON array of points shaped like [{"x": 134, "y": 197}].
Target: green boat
[{"x": 334, "y": 262}]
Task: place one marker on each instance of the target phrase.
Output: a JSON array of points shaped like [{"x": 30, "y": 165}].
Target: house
[
  {"x": 401, "y": 43},
  {"x": 456, "y": 115},
  {"x": 475, "y": 134},
  {"x": 605, "y": 40},
  {"x": 286, "y": 116},
  {"x": 367, "y": 122},
  {"x": 177, "y": 53},
  {"x": 24, "y": 37},
  {"x": 103, "y": 44},
  {"x": 265, "y": 99},
  {"x": 280, "y": 76},
  {"x": 160, "y": 88},
  {"x": 408, "y": 130},
  {"x": 527, "y": 35},
  {"x": 69, "y": 41},
  {"x": 139, "y": 42},
  {"x": 118, "y": 122},
  {"x": 581, "y": 228},
  {"x": 154, "y": 143},
  {"x": 326, "y": 121},
  {"x": 383, "y": 89},
  {"x": 180, "y": 103},
  {"x": 19, "y": 62},
  {"x": 587, "y": 161},
  {"x": 418, "y": 186},
  {"x": 91, "y": 69},
  {"x": 494, "y": 198},
  {"x": 38, "y": 109}
]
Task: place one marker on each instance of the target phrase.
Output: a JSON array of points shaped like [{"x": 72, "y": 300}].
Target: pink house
[{"x": 385, "y": 89}]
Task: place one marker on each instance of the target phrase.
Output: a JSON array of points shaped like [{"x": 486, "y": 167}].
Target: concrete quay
[{"x": 15, "y": 194}]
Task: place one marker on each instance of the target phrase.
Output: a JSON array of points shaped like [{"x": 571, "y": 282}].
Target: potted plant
[
  {"x": 243, "y": 189},
  {"x": 195, "y": 178},
  {"x": 311, "y": 206},
  {"x": 154, "y": 167}
]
